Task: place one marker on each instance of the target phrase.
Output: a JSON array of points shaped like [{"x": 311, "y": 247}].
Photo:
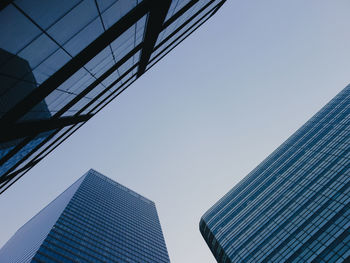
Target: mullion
[
  {"x": 72, "y": 102},
  {"x": 205, "y": 17},
  {"x": 116, "y": 95},
  {"x": 156, "y": 17},
  {"x": 43, "y": 33},
  {"x": 107, "y": 73},
  {"x": 80, "y": 31},
  {"x": 18, "y": 147},
  {"x": 185, "y": 23},
  {"x": 162, "y": 32},
  {"x": 72, "y": 66},
  {"x": 54, "y": 133},
  {"x": 179, "y": 13},
  {"x": 69, "y": 129},
  {"x": 74, "y": 126},
  {"x": 52, "y": 38},
  {"x": 76, "y": 63},
  {"x": 165, "y": 49},
  {"x": 177, "y": 2},
  {"x": 20, "y": 50},
  {"x": 69, "y": 39},
  {"x": 104, "y": 29},
  {"x": 59, "y": 46},
  {"x": 108, "y": 88},
  {"x": 6, "y": 179}
]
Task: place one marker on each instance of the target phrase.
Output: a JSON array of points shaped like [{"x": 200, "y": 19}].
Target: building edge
[{"x": 215, "y": 247}]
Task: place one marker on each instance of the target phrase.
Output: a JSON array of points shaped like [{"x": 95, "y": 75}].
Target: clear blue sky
[{"x": 189, "y": 129}]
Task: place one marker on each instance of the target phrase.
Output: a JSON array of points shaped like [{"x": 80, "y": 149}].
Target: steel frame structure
[{"x": 62, "y": 127}]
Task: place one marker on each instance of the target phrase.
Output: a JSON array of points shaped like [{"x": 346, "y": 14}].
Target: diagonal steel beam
[
  {"x": 188, "y": 31},
  {"x": 75, "y": 100},
  {"x": 29, "y": 128},
  {"x": 76, "y": 63},
  {"x": 50, "y": 136},
  {"x": 185, "y": 24},
  {"x": 155, "y": 21},
  {"x": 179, "y": 13},
  {"x": 218, "y": 7},
  {"x": 108, "y": 72},
  {"x": 5, "y": 179},
  {"x": 17, "y": 174}
]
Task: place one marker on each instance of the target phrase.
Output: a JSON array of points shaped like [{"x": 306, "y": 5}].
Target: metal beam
[
  {"x": 30, "y": 128},
  {"x": 179, "y": 13},
  {"x": 76, "y": 63},
  {"x": 147, "y": 7},
  {"x": 50, "y": 136},
  {"x": 155, "y": 21},
  {"x": 18, "y": 147},
  {"x": 99, "y": 80},
  {"x": 191, "y": 29},
  {"x": 24, "y": 105},
  {"x": 12, "y": 175},
  {"x": 108, "y": 72},
  {"x": 185, "y": 23},
  {"x": 75, "y": 100},
  {"x": 218, "y": 7}
]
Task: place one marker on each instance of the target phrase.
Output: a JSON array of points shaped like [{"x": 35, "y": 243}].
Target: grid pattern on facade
[
  {"x": 24, "y": 244},
  {"x": 294, "y": 206},
  {"x": 105, "y": 222},
  {"x": 75, "y": 57}
]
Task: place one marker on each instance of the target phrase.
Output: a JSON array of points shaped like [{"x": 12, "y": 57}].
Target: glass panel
[
  {"x": 202, "y": 16},
  {"x": 16, "y": 30},
  {"x": 175, "y": 6},
  {"x": 129, "y": 39},
  {"x": 103, "y": 57},
  {"x": 79, "y": 81},
  {"x": 182, "y": 19},
  {"x": 45, "y": 13},
  {"x": 38, "y": 50},
  {"x": 68, "y": 26},
  {"x": 50, "y": 65},
  {"x": 120, "y": 85},
  {"x": 112, "y": 12},
  {"x": 84, "y": 37}
]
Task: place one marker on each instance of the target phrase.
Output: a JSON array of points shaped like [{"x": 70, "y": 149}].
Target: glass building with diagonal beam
[
  {"x": 295, "y": 205},
  {"x": 62, "y": 61},
  {"x": 94, "y": 220}
]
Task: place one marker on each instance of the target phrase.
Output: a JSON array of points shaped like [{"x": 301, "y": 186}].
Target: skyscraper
[
  {"x": 76, "y": 57},
  {"x": 94, "y": 220},
  {"x": 295, "y": 205}
]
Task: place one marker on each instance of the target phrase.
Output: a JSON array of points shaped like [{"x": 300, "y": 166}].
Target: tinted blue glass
[
  {"x": 44, "y": 38},
  {"x": 105, "y": 222},
  {"x": 52, "y": 38},
  {"x": 294, "y": 206}
]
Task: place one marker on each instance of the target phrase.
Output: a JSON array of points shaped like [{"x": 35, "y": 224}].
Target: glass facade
[
  {"x": 97, "y": 220},
  {"x": 62, "y": 61},
  {"x": 295, "y": 205}
]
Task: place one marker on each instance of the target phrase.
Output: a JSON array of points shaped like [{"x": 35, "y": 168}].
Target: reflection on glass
[{"x": 17, "y": 81}]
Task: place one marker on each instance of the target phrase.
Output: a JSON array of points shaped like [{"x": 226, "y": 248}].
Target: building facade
[
  {"x": 295, "y": 205},
  {"x": 61, "y": 62},
  {"x": 94, "y": 220}
]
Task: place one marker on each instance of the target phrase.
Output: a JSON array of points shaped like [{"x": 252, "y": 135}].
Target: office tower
[
  {"x": 94, "y": 220},
  {"x": 79, "y": 56},
  {"x": 295, "y": 205}
]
